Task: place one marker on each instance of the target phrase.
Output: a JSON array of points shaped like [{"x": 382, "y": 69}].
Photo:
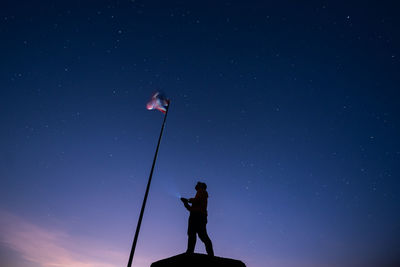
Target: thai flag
[{"x": 159, "y": 102}]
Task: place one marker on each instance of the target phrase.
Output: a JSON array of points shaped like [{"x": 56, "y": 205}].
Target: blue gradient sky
[{"x": 288, "y": 111}]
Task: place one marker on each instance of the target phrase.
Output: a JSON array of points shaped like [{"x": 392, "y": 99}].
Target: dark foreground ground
[{"x": 197, "y": 260}]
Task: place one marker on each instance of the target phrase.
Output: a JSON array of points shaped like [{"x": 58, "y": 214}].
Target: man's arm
[
  {"x": 196, "y": 199},
  {"x": 186, "y": 203},
  {"x": 199, "y": 198}
]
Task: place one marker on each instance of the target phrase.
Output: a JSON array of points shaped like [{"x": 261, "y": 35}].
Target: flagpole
[{"x": 147, "y": 192}]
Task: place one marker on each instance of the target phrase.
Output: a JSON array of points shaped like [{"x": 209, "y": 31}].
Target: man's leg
[
  {"x": 191, "y": 236},
  {"x": 191, "y": 242},
  {"x": 206, "y": 240}
]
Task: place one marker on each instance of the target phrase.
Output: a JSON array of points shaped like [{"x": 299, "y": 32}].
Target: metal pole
[{"x": 147, "y": 192}]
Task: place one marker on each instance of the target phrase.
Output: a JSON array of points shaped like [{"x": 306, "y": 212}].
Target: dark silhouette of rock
[{"x": 197, "y": 260}]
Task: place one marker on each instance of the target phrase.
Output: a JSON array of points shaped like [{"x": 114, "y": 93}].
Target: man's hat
[{"x": 202, "y": 185}]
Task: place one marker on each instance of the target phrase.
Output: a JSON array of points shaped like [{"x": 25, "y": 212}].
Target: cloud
[{"x": 54, "y": 248}]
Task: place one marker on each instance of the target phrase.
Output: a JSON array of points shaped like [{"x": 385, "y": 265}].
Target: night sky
[{"x": 289, "y": 111}]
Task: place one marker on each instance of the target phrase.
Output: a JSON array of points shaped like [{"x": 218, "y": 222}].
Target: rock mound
[{"x": 197, "y": 260}]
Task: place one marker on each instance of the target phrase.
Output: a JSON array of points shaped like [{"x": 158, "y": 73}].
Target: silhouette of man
[{"x": 198, "y": 219}]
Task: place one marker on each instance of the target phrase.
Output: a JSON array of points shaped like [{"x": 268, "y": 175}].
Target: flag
[{"x": 159, "y": 102}]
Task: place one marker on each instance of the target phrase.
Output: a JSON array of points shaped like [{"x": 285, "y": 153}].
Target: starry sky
[{"x": 289, "y": 111}]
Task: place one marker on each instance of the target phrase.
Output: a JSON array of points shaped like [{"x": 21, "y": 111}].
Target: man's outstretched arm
[{"x": 186, "y": 204}]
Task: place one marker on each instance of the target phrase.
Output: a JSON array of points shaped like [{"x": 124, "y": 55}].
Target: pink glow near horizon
[{"x": 54, "y": 248}]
